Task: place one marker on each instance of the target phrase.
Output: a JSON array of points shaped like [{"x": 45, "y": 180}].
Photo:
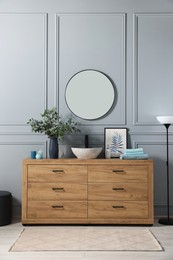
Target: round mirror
[{"x": 90, "y": 94}]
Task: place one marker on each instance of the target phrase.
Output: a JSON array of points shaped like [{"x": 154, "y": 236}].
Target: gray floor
[{"x": 9, "y": 233}]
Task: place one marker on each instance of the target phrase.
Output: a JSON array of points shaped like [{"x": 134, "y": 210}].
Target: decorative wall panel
[
  {"x": 12, "y": 154},
  {"x": 153, "y": 63},
  {"x": 92, "y": 41},
  {"x": 23, "y": 67},
  {"x": 157, "y": 152}
]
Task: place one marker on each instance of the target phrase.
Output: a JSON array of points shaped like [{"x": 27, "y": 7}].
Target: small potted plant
[{"x": 52, "y": 126}]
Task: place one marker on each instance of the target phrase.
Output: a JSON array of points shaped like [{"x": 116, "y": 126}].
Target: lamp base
[{"x": 166, "y": 221}]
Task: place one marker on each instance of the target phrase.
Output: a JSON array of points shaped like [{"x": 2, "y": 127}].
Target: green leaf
[{"x": 52, "y": 125}]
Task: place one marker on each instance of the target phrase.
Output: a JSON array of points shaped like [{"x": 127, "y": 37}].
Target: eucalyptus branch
[{"x": 52, "y": 125}]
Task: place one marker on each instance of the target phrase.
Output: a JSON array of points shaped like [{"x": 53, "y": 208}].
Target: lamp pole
[
  {"x": 168, "y": 220},
  {"x": 166, "y": 121},
  {"x": 167, "y": 166}
]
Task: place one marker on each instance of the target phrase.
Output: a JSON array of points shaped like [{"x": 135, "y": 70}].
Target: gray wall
[{"x": 44, "y": 42}]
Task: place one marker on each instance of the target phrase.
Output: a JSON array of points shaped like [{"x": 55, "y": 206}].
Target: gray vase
[{"x": 53, "y": 148}]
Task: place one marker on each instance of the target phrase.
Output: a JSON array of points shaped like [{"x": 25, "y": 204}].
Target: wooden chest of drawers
[{"x": 97, "y": 191}]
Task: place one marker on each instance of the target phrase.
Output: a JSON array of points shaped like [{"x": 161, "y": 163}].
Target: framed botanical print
[{"x": 115, "y": 141}]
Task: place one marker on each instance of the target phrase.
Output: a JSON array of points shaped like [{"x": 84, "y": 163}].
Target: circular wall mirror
[{"x": 90, "y": 94}]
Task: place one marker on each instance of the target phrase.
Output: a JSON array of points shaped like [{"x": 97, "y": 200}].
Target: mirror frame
[{"x": 110, "y": 107}]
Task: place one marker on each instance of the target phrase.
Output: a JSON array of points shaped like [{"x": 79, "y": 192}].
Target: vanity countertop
[{"x": 83, "y": 161}]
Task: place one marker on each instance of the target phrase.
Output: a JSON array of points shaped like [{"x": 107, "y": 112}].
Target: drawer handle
[
  {"x": 58, "y": 189},
  {"x": 118, "y": 207},
  {"x": 118, "y": 171},
  {"x": 118, "y": 189},
  {"x": 57, "y": 207},
  {"x": 57, "y": 171}
]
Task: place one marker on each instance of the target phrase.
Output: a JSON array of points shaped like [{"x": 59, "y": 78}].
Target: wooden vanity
[{"x": 96, "y": 191}]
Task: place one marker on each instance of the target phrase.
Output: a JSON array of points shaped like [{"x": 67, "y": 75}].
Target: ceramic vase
[{"x": 53, "y": 148}]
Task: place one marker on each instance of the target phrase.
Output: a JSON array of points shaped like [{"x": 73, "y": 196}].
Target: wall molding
[
  {"x": 136, "y": 16},
  {"x": 44, "y": 143},
  {"x": 45, "y": 59},
  {"x": 136, "y": 143},
  {"x": 123, "y": 93},
  {"x": 149, "y": 133}
]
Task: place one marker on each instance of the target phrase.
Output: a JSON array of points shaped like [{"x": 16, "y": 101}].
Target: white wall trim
[
  {"x": 136, "y": 143},
  {"x": 45, "y": 58},
  {"x": 123, "y": 68},
  {"x": 136, "y": 121}
]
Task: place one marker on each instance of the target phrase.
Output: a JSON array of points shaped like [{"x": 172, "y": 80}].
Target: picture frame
[{"x": 115, "y": 141}]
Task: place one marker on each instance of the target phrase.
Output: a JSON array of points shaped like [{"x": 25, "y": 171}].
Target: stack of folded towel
[{"x": 134, "y": 154}]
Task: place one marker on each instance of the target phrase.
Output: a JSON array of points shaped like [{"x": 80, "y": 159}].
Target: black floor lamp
[{"x": 166, "y": 121}]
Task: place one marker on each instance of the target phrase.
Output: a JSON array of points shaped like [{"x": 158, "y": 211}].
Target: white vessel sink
[{"x": 86, "y": 153}]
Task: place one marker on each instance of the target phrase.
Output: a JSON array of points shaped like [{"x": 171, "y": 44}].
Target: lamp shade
[{"x": 165, "y": 119}]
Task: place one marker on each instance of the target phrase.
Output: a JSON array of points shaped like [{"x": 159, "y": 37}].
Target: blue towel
[
  {"x": 134, "y": 153},
  {"x": 134, "y": 157},
  {"x": 137, "y": 150}
]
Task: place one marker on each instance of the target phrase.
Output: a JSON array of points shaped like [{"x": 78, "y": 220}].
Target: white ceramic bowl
[{"x": 86, "y": 153}]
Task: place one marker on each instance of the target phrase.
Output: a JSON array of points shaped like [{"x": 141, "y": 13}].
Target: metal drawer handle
[
  {"x": 57, "y": 171},
  {"x": 118, "y": 171},
  {"x": 118, "y": 207},
  {"x": 118, "y": 189},
  {"x": 57, "y": 207},
  {"x": 58, "y": 189}
]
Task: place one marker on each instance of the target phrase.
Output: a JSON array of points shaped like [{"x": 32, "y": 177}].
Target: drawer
[
  {"x": 57, "y": 209},
  {"x": 118, "y": 209},
  {"x": 120, "y": 191},
  {"x": 57, "y": 191},
  {"x": 118, "y": 173},
  {"x": 57, "y": 173}
]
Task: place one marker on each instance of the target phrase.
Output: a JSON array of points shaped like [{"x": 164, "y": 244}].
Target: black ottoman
[{"x": 5, "y": 208}]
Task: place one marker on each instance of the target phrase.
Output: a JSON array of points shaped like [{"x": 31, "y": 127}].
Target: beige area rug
[{"x": 86, "y": 239}]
